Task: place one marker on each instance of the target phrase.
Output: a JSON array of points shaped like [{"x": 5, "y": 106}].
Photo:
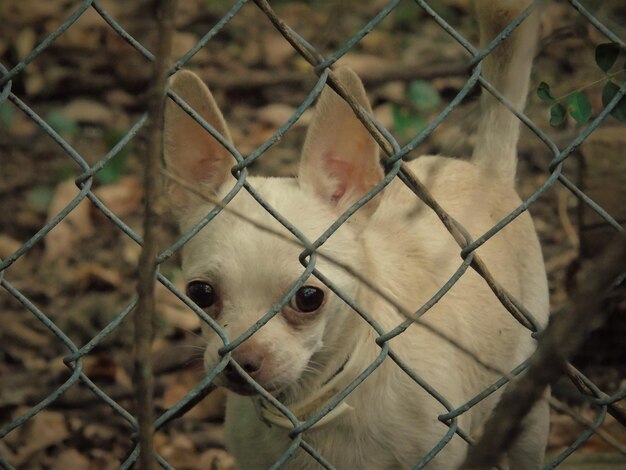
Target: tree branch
[
  {"x": 144, "y": 313},
  {"x": 255, "y": 79}
]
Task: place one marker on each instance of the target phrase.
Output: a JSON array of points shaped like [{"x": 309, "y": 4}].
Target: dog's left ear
[{"x": 340, "y": 157}]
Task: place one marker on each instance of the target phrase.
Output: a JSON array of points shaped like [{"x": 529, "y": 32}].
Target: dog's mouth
[
  {"x": 241, "y": 387},
  {"x": 238, "y": 384},
  {"x": 231, "y": 379}
]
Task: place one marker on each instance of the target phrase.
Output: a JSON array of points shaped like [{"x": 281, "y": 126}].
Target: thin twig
[
  {"x": 614, "y": 410},
  {"x": 143, "y": 315},
  {"x": 606, "y": 78},
  {"x": 586, "y": 423},
  {"x": 255, "y": 79}
]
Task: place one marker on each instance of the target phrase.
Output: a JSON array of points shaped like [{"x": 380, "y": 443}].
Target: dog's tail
[{"x": 507, "y": 68}]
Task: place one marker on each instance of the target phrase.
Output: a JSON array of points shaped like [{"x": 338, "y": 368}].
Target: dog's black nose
[
  {"x": 232, "y": 374},
  {"x": 236, "y": 383},
  {"x": 250, "y": 358},
  {"x": 251, "y": 369}
]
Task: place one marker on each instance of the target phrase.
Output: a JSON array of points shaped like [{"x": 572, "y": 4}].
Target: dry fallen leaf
[
  {"x": 104, "y": 368},
  {"x": 71, "y": 459},
  {"x": 24, "y": 334},
  {"x": 392, "y": 91},
  {"x": 99, "y": 433},
  {"x": 276, "y": 50},
  {"x": 175, "y": 313},
  {"x": 130, "y": 251},
  {"x": 89, "y": 111},
  {"x": 210, "y": 409},
  {"x": 86, "y": 32},
  {"x": 43, "y": 430},
  {"x": 217, "y": 459},
  {"x": 21, "y": 126},
  {"x": 122, "y": 197},
  {"x": 384, "y": 114},
  {"x": 174, "y": 392},
  {"x": 180, "y": 452},
  {"x": 8, "y": 245},
  {"x": 62, "y": 240},
  {"x": 277, "y": 114},
  {"x": 183, "y": 42},
  {"x": 95, "y": 276},
  {"x": 25, "y": 42},
  {"x": 364, "y": 64},
  {"x": 34, "y": 82}
]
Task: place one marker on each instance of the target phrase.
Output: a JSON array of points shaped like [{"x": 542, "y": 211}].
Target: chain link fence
[{"x": 393, "y": 159}]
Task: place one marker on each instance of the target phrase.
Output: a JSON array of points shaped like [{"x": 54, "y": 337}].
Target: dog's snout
[
  {"x": 251, "y": 358},
  {"x": 251, "y": 367}
]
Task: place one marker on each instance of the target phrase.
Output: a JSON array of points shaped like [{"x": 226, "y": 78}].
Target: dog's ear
[
  {"x": 191, "y": 152},
  {"x": 340, "y": 157}
]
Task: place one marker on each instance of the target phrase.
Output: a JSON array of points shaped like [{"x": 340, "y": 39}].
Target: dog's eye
[
  {"x": 201, "y": 293},
  {"x": 308, "y": 299}
]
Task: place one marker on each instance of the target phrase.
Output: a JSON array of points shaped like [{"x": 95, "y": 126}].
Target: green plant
[
  {"x": 409, "y": 120},
  {"x": 61, "y": 123},
  {"x": 576, "y": 103},
  {"x": 7, "y": 114},
  {"x": 113, "y": 170}
]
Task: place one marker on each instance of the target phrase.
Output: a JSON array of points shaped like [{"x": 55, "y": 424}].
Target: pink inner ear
[
  {"x": 348, "y": 176},
  {"x": 198, "y": 167},
  {"x": 340, "y": 171}
]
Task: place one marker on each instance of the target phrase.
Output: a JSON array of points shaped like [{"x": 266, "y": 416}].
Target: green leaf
[
  {"x": 39, "y": 198},
  {"x": 7, "y": 113},
  {"x": 113, "y": 170},
  {"x": 406, "y": 124},
  {"x": 62, "y": 124},
  {"x": 557, "y": 114},
  {"x": 608, "y": 93},
  {"x": 423, "y": 95},
  {"x": 544, "y": 93},
  {"x": 606, "y": 55},
  {"x": 64, "y": 170},
  {"x": 579, "y": 107},
  {"x": 406, "y": 15}
]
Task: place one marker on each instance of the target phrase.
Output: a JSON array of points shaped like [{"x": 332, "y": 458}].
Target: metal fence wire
[{"x": 394, "y": 169}]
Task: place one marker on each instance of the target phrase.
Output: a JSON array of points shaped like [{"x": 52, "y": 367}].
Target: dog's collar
[{"x": 330, "y": 388}]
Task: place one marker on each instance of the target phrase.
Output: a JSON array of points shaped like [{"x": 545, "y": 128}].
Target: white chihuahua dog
[{"x": 317, "y": 345}]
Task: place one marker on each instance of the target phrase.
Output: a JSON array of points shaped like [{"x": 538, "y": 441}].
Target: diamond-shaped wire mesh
[{"x": 74, "y": 353}]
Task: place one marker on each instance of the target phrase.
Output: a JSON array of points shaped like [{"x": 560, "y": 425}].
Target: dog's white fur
[{"x": 396, "y": 243}]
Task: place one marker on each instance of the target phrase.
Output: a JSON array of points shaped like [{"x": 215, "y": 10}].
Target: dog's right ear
[
  {"x": 340, "y": 157},
  {"x": 191, "y": 152}
]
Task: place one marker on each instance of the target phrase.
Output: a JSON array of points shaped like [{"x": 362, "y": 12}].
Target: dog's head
[{"x": 244, "y": 261}]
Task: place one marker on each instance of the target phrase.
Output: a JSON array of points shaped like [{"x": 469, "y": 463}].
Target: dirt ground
[{"x": 89, "y": 86}]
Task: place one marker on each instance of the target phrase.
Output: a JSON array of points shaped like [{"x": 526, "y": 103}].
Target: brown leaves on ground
[
  {"x": 83, "y": 274},
  {"x": 63, "y": 240}
]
